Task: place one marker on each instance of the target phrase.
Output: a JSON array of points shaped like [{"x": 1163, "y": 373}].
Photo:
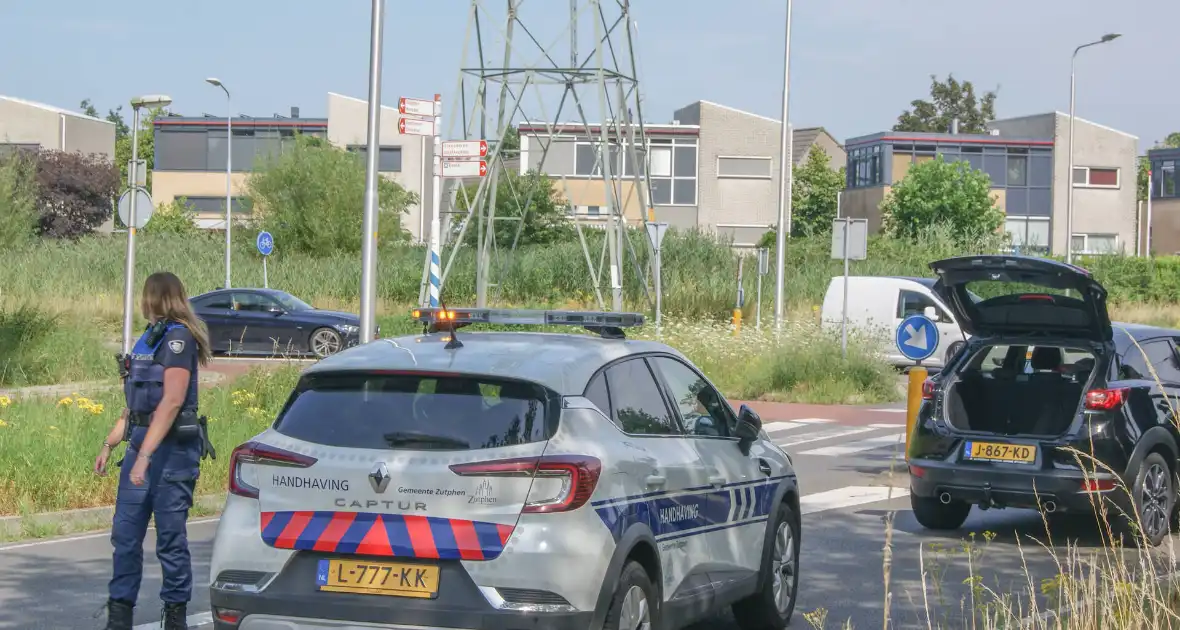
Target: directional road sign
[
  {"x": 464, "y": 168},
  {"x": 265, "y": 243},
  {"x": 415, "y": 127},
  {"x": 465, "y": 149},
  {"x": 917, "y": 337},
  {"x": 143, "y": 208},
  {"x": 415, "y": 107}
]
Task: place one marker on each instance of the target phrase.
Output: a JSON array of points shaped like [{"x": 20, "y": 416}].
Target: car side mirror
[
  {"x": 931, "y": 313},
  {"x": 749, "y": 427},
  {"x": 277, "y": 310}
]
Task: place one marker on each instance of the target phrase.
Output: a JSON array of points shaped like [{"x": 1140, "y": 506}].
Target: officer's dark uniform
[{"x": 167, "y": 492}]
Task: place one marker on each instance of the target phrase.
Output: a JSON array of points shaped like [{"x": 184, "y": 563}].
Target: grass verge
[{"x": 38, "y": 347}]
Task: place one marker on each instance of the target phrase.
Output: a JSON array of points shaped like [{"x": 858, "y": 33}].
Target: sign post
[
  {"x": 849, "y": 242},
  {"x": 655, "y": 231},
  {"x": 435, "y": 251},
  {"x": 763, "y": 269},
  {"x": 917, "y": 339},
  {"x": 741, "y": 298},
  {"x": 266, "y": 246}
]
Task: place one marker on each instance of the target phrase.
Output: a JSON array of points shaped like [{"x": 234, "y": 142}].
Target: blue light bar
[{"x": 515, "y": 317}]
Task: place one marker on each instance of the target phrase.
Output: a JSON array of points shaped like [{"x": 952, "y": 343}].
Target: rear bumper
[
  {"x": 340, "y": 612},
  {"x": 994, "y": 487},
  {"x": 292, "y": 601}
]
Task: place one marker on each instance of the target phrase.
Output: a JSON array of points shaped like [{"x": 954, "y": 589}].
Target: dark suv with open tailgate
[{"x": 1049, "y": 406}]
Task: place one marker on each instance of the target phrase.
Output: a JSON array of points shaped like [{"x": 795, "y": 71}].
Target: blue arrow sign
[
  {"x": 265, "y": 243},
  {"x": 917, "y": 337}
]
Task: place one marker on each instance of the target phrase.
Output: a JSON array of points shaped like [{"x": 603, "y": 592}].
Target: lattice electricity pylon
[{"x": 607, "y": 73}]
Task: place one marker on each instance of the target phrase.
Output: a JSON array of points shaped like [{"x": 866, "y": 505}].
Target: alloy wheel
[
  {"x": 783, "y": 567},
  {"x": 1153, "y": 497},
  {"x": 325, "y": 342},
  {"x": 634, "y": 614}
]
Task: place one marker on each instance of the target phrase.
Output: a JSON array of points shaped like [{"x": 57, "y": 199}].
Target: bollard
[
  {"x": 917, "y": 376},
  {"x": 737, "y": 320}
]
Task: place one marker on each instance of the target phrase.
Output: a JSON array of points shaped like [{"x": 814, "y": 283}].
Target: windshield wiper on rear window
[{"x": 404, "y": 438}]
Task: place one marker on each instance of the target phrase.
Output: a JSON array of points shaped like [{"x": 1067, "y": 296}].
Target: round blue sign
[
  {"x": 265, "y": 243},
  {"x": 917, "y": 337}
]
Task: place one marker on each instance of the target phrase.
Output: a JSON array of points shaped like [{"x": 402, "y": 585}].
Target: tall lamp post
[
  {"x": 137, "y": 103},
  {"x": 784, "y": 195},
  {"x": 229, "y": 158},
  {"x": 1109, "y": 37}
]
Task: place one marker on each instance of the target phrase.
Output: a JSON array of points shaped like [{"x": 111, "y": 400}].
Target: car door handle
[
  {"x": 655, "y": 480},
  {"x": 764, "y": 467},
  {"x": 716, "y": 480}
]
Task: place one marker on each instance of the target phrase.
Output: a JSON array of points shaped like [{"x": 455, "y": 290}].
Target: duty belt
[{"x": 139, "y": 419}]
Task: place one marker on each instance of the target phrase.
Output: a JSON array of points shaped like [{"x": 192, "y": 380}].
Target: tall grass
[
  {"x": 38, "y": 348},
  {"x": 699, "y": 274}
]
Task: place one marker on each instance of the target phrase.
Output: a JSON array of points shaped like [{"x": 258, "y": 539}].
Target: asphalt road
[{"x": 844, "y": 464}]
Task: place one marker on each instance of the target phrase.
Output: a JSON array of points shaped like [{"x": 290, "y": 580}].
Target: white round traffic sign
[{"x": 143, "y": 208}]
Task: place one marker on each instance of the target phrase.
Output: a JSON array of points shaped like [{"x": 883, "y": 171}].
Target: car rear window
[{"x": 415, "y": 412}]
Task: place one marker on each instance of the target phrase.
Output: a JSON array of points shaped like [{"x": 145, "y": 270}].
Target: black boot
[
  {"x": 175, "y": 617},
  {"x": 119, "y": 615}
]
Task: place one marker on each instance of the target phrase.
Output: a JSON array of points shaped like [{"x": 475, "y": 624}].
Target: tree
[
  {"x": 949, "y": 100},
  {"x": 74, "y": 193},
  {"x": 174, "y": 217},
  {"x": 18, "y": 200},
  {"x": 511, "y": 143},
  {"x": 546, "y": 220},
  {"x": 940, "y": 193},
  {"x": 814, "y": 194},
  {"x": 147, "y": 139},
  {"x": 312, "y": 197}
]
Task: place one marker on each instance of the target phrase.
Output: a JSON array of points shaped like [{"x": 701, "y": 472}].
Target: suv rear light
[
  {"x": 227, "y": 616},
  {"x": 1105, "y": 399},
  {"x": 579, "y": 475},
  {"x": 1097, "y": 485},
  {"x": 255, "y": 453},
  {"x": 928, "y": 389}
]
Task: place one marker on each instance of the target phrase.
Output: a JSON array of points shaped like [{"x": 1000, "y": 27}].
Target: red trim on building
[
  {"x": 960, "y": 140},
  {"x": 245, "y": 122},
  {"x": 578, "y": 129}
]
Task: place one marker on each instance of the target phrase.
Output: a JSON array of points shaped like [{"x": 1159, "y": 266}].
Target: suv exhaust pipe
[
  {"x": 944, "y": 498},
  {"x": 1050, "y": 507}
]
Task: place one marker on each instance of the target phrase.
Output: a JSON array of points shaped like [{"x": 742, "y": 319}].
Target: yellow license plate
[
  {"x": 378, "y": 578},
  {"x": 992, "y": 451}
]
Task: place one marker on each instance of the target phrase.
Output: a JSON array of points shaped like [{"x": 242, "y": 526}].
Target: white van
[{"x": 877, "y": 305}]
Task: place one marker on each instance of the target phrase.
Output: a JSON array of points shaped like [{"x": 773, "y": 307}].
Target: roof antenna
[{"x": 454, "y": 343}]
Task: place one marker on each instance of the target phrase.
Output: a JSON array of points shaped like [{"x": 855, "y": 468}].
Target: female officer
[{"x": 165, "y": 446}]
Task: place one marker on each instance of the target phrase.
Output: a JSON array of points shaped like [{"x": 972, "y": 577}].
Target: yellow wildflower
[
  {"x": 65, "y": 402},
  {"x": 52, "y": 428},
  {"x": 3, "y": 424},
  {"x": 5, "y": 401}
]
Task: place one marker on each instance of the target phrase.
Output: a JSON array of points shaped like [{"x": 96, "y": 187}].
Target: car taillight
[
  {"x": 1098, "y": 485},
  {"x": 579, "y": 475},
  {"x": 227, "y": 616},
  {"x": 1105, "y": 399},
  {"x": 255, "y": 453},
  {"x": 928, "y": 389}
]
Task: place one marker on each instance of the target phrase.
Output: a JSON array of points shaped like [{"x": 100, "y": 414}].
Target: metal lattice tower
[{"x": 592, "y": 83}]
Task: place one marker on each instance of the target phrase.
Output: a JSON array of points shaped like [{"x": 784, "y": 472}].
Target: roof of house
[{"x": 51, "y": 108}]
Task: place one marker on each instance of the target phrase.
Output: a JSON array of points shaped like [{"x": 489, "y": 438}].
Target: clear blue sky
[{"x": 856, "y": 64}]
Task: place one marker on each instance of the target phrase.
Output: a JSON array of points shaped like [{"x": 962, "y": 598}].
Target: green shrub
[
  {"x": 38, "y": 348},
  {"x": 174, "y": 217},
  {"x": 18, "y": 201}
]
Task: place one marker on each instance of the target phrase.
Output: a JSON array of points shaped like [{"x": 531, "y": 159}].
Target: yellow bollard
[
  {"x": 737, "y": 320},
  {"x": 917, "y": 376}
]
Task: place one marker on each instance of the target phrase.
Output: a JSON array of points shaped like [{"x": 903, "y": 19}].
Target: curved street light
[{"x": 229, "y": 142}]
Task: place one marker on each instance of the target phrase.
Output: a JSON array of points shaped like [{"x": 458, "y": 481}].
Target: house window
[
  {"x": 1093, "y": 177},
  {"x": 389, "y": 159},
  {"x": 1095, "y": 243},
  {"x": 216, "y": 205},
  {"x": 1028, "y": 234},
  {"x": 744, "y": 167}
]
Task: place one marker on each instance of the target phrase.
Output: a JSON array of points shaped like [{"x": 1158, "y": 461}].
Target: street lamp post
[
  {"x": 1109, "y": 37},
  {"x": 784, "y": 197},
  {"x": 137, "y": 103},
  {"x": 229, "y": 158}
]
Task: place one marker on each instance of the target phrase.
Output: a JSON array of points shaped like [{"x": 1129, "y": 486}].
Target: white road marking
[
  {"x": 102, "y": 534},
  {"x": 869, "y": 444},
  {"x": 199, "y": 619},
  {"x": 848, "y": 496},
  {"x": 888, "y": 410},
  {"x": 774, "y": 427},
  {"x": 812, "y": 420},
  {"x": 819, "y": 437},
  {"x": 888, "y": 425}
]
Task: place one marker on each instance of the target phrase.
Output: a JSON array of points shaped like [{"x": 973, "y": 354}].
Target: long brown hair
[{"x": 164, "y": 298}]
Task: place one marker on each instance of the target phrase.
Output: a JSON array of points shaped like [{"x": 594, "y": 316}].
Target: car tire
[
  {"x": 1153, "y": 496},
  {"x": 934, "y": 514},
  {"x": 635, "y": 603},
  {"x": 324, "y": 342},
  {"x": 772, "y": 606}
]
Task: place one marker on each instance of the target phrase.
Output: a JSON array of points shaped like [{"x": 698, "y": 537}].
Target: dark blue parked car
[{"x": 273, "y": 323}]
